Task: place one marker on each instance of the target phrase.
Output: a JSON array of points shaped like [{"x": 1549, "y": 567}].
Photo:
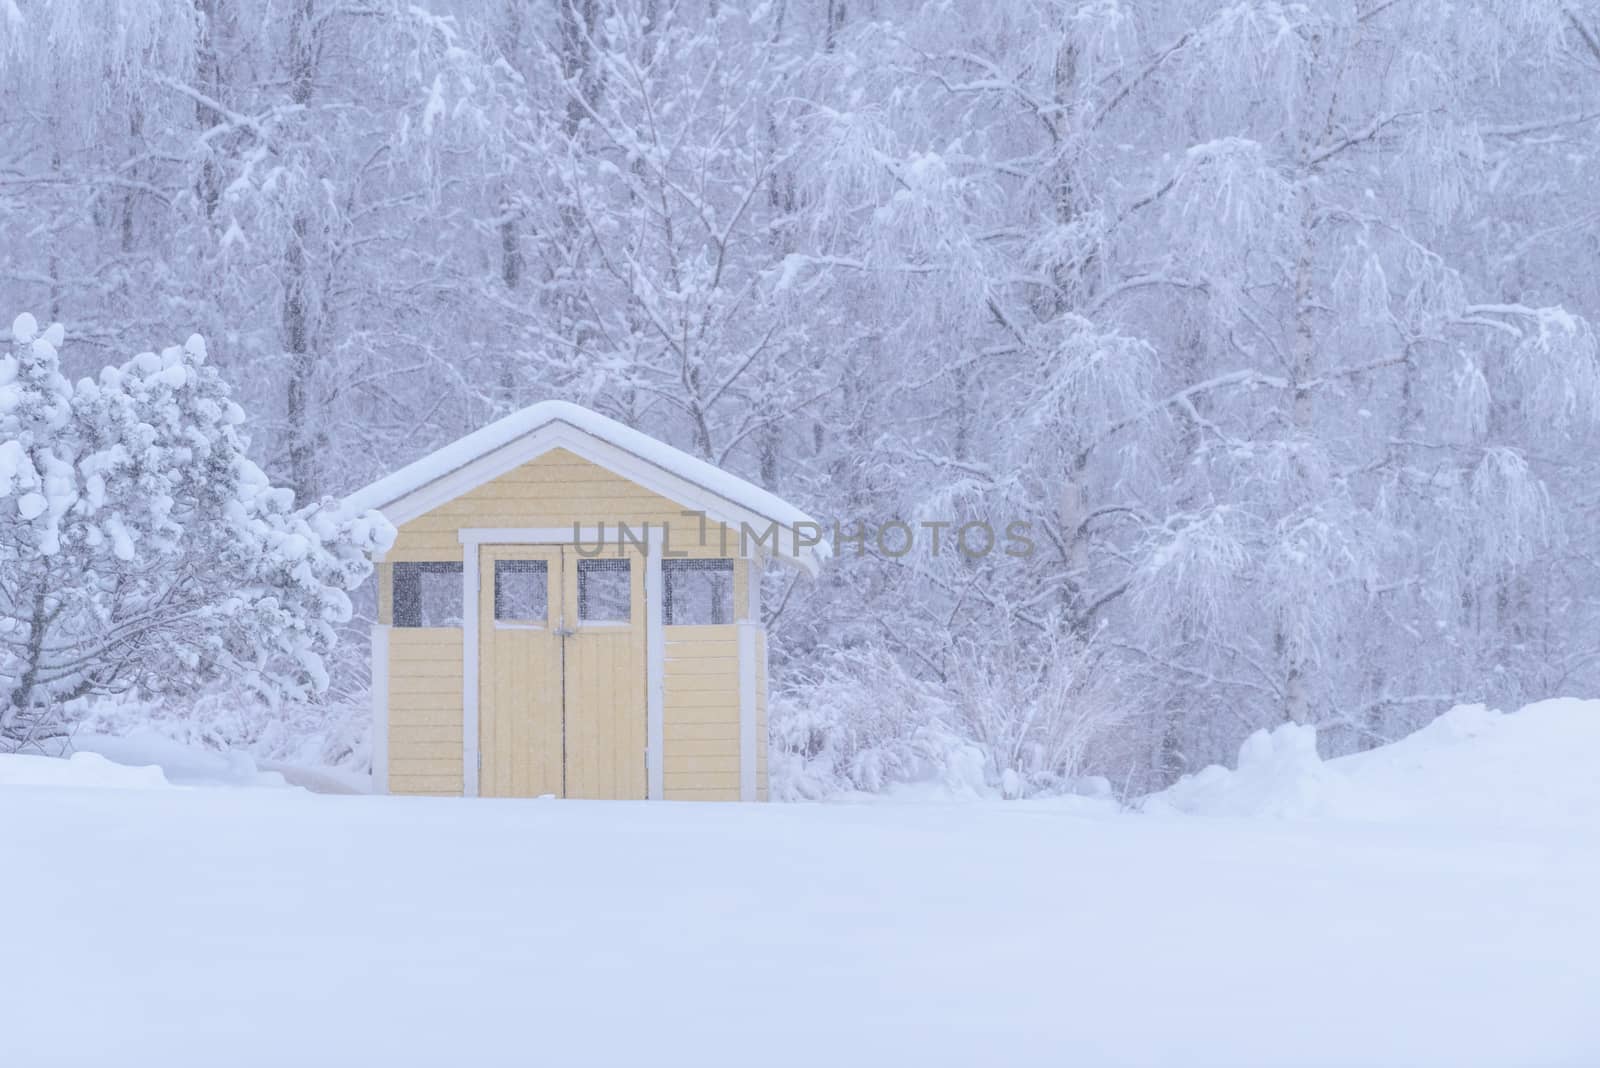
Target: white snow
[
  {"x": 24, "y": 328},
  {"x": 82, "y": 769},
  {"x": 144, "y": 756},
  {"x": 32, "y": 505},
  {"x": 435, "y": 107},
  {"x": 502, "y": 432},
  {"x": 121, "y": 539},
  {"x": 270, "y": 927},
  {"x": 180, "y": 765},
  {"x": 193, "y": 765},
  {"x": 1472, "y": 766}
]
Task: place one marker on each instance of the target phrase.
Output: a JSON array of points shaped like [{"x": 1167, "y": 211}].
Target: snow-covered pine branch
[{"x": 140, "y": 548}]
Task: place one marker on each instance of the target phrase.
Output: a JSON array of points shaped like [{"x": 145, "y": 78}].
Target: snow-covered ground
[
  {"x": 212, "y": 925},
  {"x": 1473, "y": 767}
]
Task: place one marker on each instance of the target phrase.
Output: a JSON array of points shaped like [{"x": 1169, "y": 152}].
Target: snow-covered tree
[
  {"x": 140, "y": 548},
  {"x": 1271, "y": 321},
  {"x": 1196, "y": 290}
]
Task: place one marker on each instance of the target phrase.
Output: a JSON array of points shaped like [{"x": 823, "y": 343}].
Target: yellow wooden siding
[
  {"x": 425, "y": 704},
  {"x": 700, "y": 713},
  {"x": 557, "y": 490}
]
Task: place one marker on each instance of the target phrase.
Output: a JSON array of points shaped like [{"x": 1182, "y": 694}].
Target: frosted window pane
[
  {"x": 604, "y": 591},
  {"x": 697, "y": 592},
  {"x": 521, "y": 590},
  {"x": 427, "y": 594}
]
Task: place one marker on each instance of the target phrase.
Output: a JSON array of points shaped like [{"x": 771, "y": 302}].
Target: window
[
  {"x": 427, "y": 594},
  {"x": 604, "y": 591},
  {"x": 521, "y": 591},
  {"x": 697, "y": 592}
]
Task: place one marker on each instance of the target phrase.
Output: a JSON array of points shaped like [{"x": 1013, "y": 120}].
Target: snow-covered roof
[{"x": 489, "y": 452}]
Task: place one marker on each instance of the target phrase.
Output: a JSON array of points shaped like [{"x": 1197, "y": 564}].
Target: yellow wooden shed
[{"x": 573, "y": 609}]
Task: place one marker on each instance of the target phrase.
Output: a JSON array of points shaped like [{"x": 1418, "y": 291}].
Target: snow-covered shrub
[
  {"x": 1016, "y": 722},
  {"x": 859, "y": 721},
  {"x": 1035, "y": 705},
  {"x": 323, "y": 733},
  {"x": 141, "y": 549}
]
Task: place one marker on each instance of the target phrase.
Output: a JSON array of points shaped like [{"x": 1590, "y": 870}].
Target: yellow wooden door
[
  {"x": 561, "y": 705},
  {"x": 605, "y": 675},
  {"x": 520, "y": 732}
]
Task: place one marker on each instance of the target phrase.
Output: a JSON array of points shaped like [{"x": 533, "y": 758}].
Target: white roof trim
[{"x": 508, "y": 443}]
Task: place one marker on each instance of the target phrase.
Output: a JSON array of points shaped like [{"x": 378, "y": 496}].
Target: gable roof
[{"x": 507, "y": 443}]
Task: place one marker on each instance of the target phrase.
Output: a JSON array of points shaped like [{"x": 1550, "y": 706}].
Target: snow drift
[
  {"x": 144, "y": 758},
  {"x": 277, "y": 927},
  {"x": 78, "y": 770},
  {"x": 1472, "y": 765}
]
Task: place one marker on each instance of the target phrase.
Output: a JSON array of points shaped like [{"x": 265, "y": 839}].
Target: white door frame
[
  {"x": 654, "y": 653},
  {"x": 380, "y": 708},
  {"x": 749, "y": 624}
]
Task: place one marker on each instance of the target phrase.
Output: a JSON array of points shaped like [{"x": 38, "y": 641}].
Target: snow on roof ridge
[{"x": 504, "y": 431}]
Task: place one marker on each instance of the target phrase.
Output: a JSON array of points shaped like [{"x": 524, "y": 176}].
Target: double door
[{"x": 561, "y": 673}]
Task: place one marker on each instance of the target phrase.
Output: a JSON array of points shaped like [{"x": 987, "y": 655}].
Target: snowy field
[{"x": 1437, "y": 900}]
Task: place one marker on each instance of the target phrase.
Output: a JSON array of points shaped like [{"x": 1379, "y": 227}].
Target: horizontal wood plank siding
[
  {"x": 425, "y": 690},
  {"x": 700, "y": 713},
  {"x": 694, "y": 793}
]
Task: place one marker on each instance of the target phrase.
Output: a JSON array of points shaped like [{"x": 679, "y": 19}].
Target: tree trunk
[{"x": 297, "y": 332}]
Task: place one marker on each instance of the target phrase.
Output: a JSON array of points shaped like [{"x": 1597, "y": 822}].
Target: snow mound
[
  {"x": 183, "y": 765},
  {"x": 78, "y": 770},
  {"x": 143, "y": 758},
  {"x": 1472, "y": 765},
  {"x": 1279, "y": 775}
]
